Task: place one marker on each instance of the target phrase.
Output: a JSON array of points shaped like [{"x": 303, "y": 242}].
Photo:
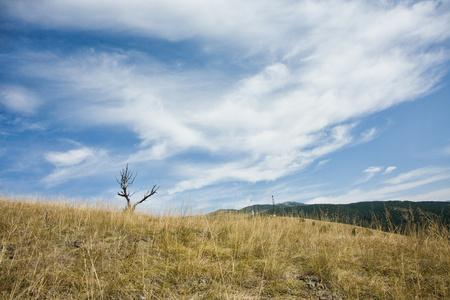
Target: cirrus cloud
[{"x": 401, "y": 187}]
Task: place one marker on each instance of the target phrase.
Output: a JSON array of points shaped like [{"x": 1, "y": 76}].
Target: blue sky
[{"x": 309, "y": 101}]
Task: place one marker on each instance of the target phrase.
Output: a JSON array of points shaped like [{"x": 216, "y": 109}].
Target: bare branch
[{"x": 147, "y": 195}]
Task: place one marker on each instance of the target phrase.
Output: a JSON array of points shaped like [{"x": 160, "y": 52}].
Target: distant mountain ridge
[
  {"x": 395, "y": 215},
  {"x": 268, "y": 208}
]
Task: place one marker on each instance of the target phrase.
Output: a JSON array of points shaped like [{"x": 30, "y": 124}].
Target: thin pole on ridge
[
  {"x": 251, "y": 202},
  {"x": 274, "y": 212}
]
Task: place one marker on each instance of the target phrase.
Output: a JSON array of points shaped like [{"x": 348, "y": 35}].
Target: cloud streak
[
  {"x": 389, "y": 170},
  {"x": 75, "y": 164},
  {"x": 400, "y": 187},
  {"x": 69, "y": 158},
  {"x": 19, "y": 99}
]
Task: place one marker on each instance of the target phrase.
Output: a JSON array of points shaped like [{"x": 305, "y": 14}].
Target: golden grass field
[{"x": 64, "y": 251}]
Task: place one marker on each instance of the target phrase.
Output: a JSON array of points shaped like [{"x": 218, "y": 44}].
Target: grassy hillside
[{"x": 68, "y": 252}]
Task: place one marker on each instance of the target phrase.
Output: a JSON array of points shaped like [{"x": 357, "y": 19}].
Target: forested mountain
[
  {"x": 398, "y": 216},
  {"x": 268, "y": 208}
]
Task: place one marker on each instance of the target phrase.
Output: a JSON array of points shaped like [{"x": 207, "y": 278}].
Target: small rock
[{"x": 76, "y": 244}]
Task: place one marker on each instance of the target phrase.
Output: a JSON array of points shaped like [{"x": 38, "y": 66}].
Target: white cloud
[
  {"x": 400, "y": 187},
  {"x": 437, "y": 195},
  {"x": 19, "y": 99},
  {"x": 417, "y": 173},
  {"x": 318, "y": 66},
  {"x": 371, "y": 172},
  {"x": 321, "y": 163},
  {"x": 79, "y": 163},
  {"x": 389, "y": 170},
  {"x": 446, "y": 150},
  {"x": 270, "y": 167},
  {"x": 69, "y": 158},
  {"x": 262, "y": 23},
  {"x": 368, "y": 135}
]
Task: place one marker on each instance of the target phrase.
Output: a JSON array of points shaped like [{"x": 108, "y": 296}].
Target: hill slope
[{"x": 68, "y": 252}]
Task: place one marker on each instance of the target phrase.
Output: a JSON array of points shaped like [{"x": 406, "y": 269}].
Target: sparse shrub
[
  {"x": 323, "y": 229},
  {"x": 368, "y": 232},
  {"x": 354, "y": 231},
  {"x": 321, "y": 265}
]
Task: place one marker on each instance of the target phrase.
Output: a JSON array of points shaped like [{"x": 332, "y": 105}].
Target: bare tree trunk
[{"x": 126, "y": 180}]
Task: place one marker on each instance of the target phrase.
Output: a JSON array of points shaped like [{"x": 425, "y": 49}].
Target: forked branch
[{"x": 147, "y": 195}]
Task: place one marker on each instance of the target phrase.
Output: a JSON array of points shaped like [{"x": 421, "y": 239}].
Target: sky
[{"x": 311, "y": 101}]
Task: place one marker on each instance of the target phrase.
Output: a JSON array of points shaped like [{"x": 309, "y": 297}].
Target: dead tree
[{"x": 126, "y": 180}]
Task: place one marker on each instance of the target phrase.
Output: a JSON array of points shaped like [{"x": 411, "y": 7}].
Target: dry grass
[{"x": 67, "y": 252}]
